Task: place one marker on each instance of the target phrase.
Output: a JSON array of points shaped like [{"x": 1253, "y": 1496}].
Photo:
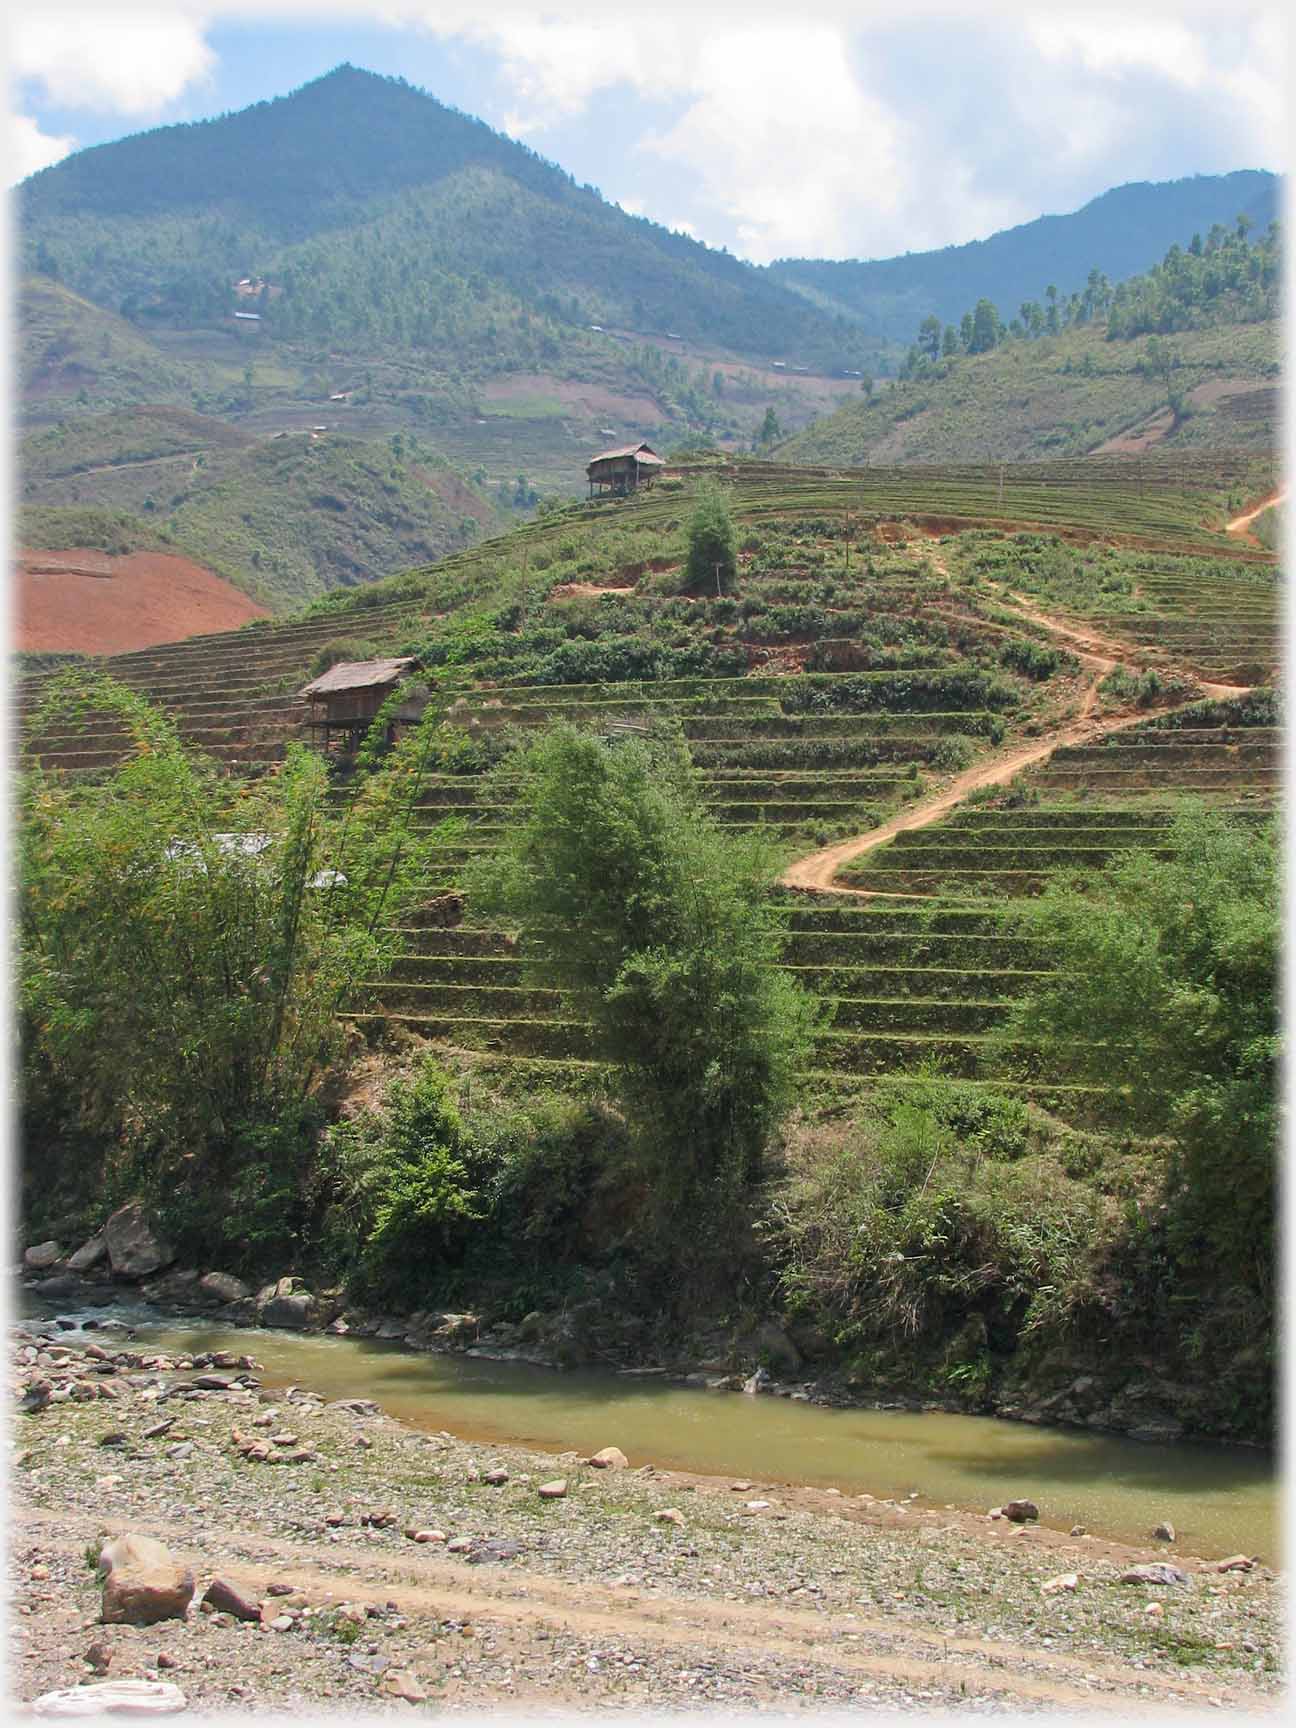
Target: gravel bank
[{"x": 749, "y": 1595}]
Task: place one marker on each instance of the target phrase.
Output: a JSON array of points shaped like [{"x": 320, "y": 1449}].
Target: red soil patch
[{"x": 88, "y": 602}]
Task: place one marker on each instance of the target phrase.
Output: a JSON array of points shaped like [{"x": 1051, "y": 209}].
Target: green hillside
[{"x": 286, "y": 518}]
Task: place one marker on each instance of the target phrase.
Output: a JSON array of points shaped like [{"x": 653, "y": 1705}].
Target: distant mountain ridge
[
  {"x": 1122, "y": 233},
  {"x": 165, "y": 221}
]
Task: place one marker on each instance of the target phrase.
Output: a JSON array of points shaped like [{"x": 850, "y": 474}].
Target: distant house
[
  {"x": 345, "y": 700},
  {"x": 249, "y": 317},
  {"x": 624, "y": 470}
]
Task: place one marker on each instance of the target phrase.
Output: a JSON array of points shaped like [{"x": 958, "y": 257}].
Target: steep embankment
[{"x": 86, "y": 601}]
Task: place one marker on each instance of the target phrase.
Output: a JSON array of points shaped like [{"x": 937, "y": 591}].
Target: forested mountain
[
  {"x": 435, "y": 208},
  {"x": 1187, "y": 354},
  {"x": 1121, "y": 233}
]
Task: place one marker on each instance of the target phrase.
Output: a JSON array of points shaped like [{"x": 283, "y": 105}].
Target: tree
[
  {"x": 770, "y": 430},
  {"x": 712, "y": 562},
  {"x": 929, "y": 337},
  {"x": 986, "y": 329},
  {"x": 189, "y": 939},
  {"x": 659, "y": 929},
  {"x": 1165, "y": 987}
]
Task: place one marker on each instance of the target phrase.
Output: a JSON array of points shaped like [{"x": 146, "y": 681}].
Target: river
[{"x": 1221, "y": 1500}]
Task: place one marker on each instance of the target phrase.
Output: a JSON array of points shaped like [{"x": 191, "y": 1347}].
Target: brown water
[{"x": 1221, "y": 1500}]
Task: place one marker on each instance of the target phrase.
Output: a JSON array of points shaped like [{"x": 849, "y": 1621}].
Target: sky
[{"x": 829, "y": 130}]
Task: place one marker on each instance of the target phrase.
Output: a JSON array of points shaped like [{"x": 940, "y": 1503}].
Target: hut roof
[
  {"x": 643, "y": 452},
  {"x": 357, "y": 675}
]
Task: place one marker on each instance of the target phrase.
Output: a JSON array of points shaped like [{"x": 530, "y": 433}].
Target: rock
[
  {"x": 1064, "y": 1581},
  {"x": 1235, "y": 1563},
  {"x": 555, "y": 1490},
  {"x": 1078, "y": 1530},
  {"x": 281, "y": 1623},
  {"x": 458, "y": 1544},
  {"x": 610, "y": 1458},
  {"x": 286, "y": 1304},
  {"x": 772, "y": 1342},
  {"x": 1164, "y": 1533},
  {"x": 224, "y": 1287},
  {"x": 745, "y": 1487},
  {"x": 757, "y": 1382},
  {"x": 424, "y": 1536},
  {"x": 496, "y": 1548},
  {"x": 496, "y": 1478},
  {"x": 401, "y": 1683},
  {"x": 1158, "y": 1572},
  {"x": 142, "y": 1583},
  {"x": 281, "y": 1589},
  {"x": 100, "y": 1655},
  {"x": 758, "y": 1505},
  {"x": 1163, "y": 1432},
  {"x": 89, "y": 1254},
  {"x": 42, "y": 1255},
  {"x": 118, "y": 1697},
  {"x": 227, "y": 1598},
  {"x": 214, "y": 1382},
  {"x": 1154, "y": 1610},
  {"x": 669, "y": 1515},
  {"x": 1019, "y": 1511},
  {"x": 134, "y": 1250}
]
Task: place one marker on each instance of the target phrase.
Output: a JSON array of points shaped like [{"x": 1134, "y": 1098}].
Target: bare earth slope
[{"x": 90, "y": 602}]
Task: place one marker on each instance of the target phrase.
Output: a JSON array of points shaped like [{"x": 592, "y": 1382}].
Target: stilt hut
[
  {"x": 345, "y": 701},
  {"x": 624, "y": 470}
]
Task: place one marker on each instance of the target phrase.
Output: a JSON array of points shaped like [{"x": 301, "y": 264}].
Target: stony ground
[{"x": 634, "y": 1590}]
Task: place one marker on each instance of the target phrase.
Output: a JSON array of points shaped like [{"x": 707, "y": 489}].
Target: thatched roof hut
[{"x": 624, "y": 470}]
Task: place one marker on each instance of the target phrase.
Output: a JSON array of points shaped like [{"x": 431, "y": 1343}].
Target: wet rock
[
  {"x": 610, "y": 1458},
  {"x": 555, "y": 1490},
  {"x": 142, "y": 1582},
  {"x": 42, "y": 1255},
  {"x": 214, "y": 1382},
  {"x": 134, "y": 1248},
  {"x": 223, "y": 1287},
  {"x": 1164, "y": 1533},
  {"x": 1158, "y": 1572},
  {"x": 1019, "y": 1511},
  {"x": 227, "y": 1598}
]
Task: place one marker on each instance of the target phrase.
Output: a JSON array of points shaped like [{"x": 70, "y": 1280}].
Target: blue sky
[{"x": 839, "y": 130}]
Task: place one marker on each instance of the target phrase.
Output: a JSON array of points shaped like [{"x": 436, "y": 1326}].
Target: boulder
[
  {"x": 288, "y": 1304},
  {"x": 771, "y": 1344},
  {"x": 1019, "y": 1511},
  {"x": 223, "y": 1287},
  {"x": 227, "y": 1598},
  {"x": 1156, "y": 1573},
  {"x": 610, "y": 1458},
  {"x": 118, "y": 1697},
  {"x": 1164, "y": 1533},
  {"x": 134, "y": 1249},
  {"x": 89, "y": 1254},
  {"x": 142, "y": 1582},
  {"x": 42, "y": 1255}
]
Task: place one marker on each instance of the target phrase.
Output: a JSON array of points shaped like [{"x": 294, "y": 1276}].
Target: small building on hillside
[
  {"x": 345, "y": 701},
  {"x": 624, "y": 470}
]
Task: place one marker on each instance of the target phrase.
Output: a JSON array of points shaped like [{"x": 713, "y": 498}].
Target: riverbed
[{"x": 1220, "y": 1500}]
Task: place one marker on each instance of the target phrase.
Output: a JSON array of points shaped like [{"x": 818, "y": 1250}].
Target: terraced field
[{"x": 938, "y": 678}]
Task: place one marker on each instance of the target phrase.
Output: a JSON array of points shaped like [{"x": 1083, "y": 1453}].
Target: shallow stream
[{"x": 1221, "y": 1500}]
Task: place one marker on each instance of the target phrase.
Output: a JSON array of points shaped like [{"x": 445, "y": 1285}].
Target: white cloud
[
  {"x": 1111, "y": 43},
  {"x": 129, "y": 60},
  {"x": 30, "y": 149}
]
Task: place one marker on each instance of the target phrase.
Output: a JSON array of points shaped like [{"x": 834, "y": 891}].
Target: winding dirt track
[
  {"x": 1240, "y": 524},
  {"x": 815, "y": 873}
]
